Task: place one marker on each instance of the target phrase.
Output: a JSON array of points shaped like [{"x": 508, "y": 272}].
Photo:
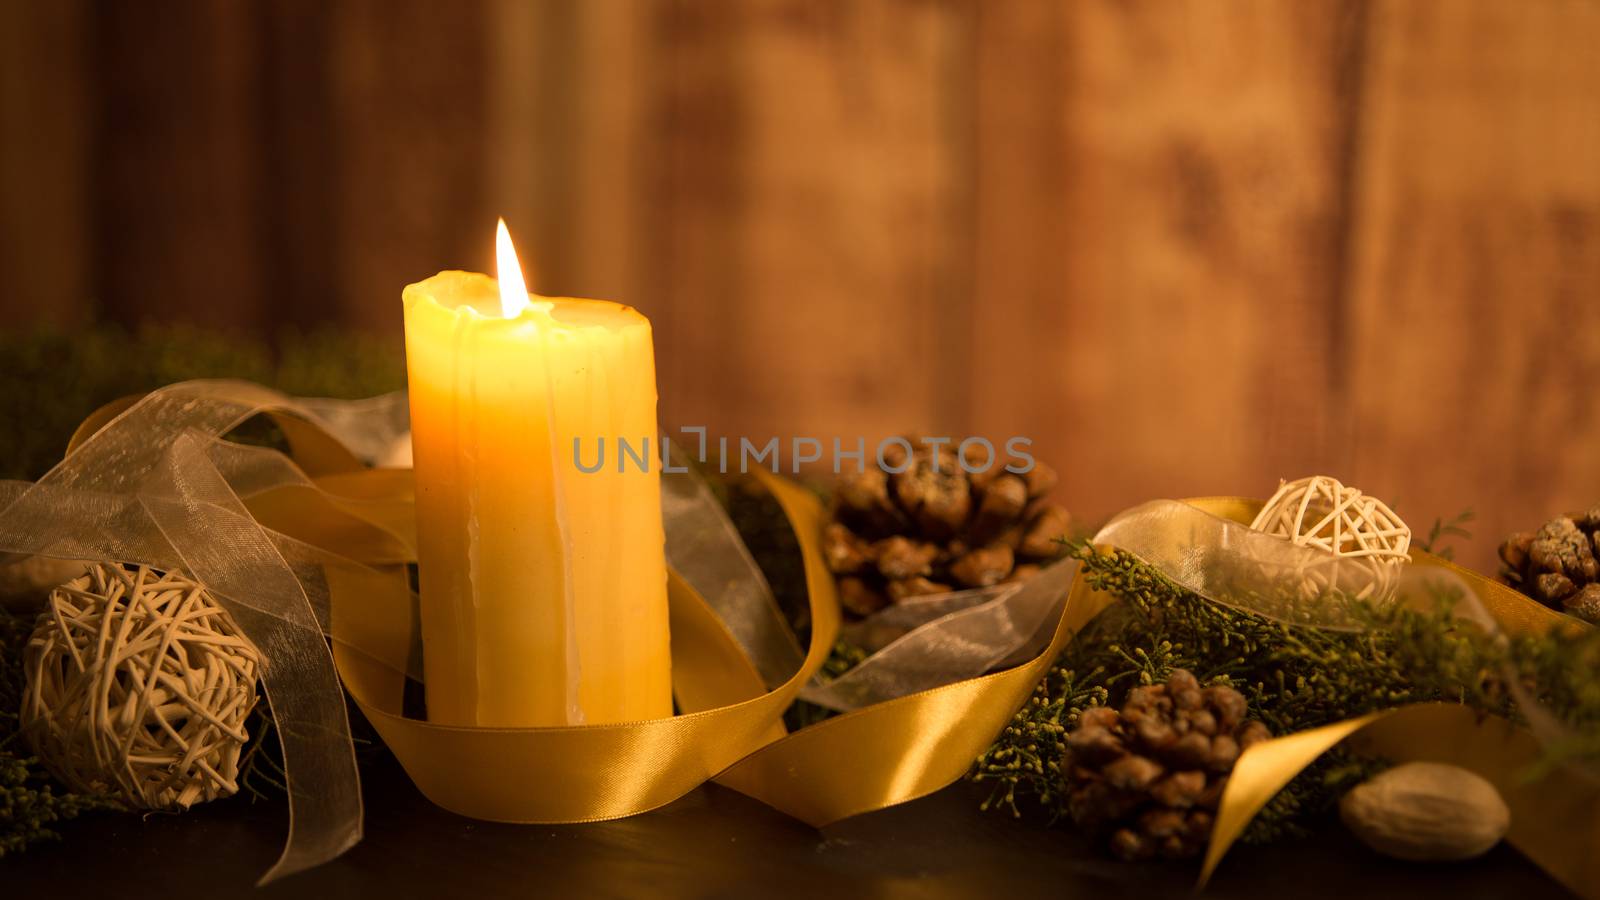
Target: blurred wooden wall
[{"x": 1186, "y": 247}]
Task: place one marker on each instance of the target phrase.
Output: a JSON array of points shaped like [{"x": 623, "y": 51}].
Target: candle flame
[{"x": 513, "y": 290}]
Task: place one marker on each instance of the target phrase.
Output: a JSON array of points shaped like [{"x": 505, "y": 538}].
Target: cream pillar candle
[{"x": 543, "y": 586}]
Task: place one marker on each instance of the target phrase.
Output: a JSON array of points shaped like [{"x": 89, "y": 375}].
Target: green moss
[
  {"x": 339, "y": 364},
  {"x": 50, "y": 381}
]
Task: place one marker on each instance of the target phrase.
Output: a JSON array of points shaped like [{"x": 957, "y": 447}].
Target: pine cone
[
  {"x": 927, "y": 531},
  {"x": 1150, "y": 776},
  {"x": 1557, "y": 565}
]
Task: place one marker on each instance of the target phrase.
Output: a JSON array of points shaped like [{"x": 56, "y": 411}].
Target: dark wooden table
[{"x": 713, "y": 843}]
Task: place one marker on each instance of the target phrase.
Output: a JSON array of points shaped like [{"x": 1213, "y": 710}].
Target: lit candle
[{"x": 543, "y": 584}]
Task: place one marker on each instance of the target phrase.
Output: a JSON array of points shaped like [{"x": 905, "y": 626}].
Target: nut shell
[{"x": 1426, "y": 812}]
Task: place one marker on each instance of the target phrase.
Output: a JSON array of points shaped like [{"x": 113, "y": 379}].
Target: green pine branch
[{"x": 1443, "y": 530}]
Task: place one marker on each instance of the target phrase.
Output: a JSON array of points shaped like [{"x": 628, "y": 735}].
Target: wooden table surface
[{"x": 713, "y": 843}]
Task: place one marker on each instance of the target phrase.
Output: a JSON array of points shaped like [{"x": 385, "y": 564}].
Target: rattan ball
[
  {"x": 1366, "y": 541},
  {"x": 138, "y": 687}
]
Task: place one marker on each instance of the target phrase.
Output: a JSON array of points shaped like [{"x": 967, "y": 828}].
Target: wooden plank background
[{"x": 1187, "y": 247}]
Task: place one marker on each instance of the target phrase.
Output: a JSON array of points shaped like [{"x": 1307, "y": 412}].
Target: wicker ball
[
  {"x": 138, "y": 687},
  {"x": 1366, "y": 541}
]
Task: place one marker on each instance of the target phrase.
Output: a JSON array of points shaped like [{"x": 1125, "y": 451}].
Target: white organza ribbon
[{"x": 701, "y": 540}]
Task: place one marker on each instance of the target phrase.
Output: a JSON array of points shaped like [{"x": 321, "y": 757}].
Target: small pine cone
[
  {"x": 1558, "y": 564},
  {"x": 983, "y": 566},
  {"x": 1197, "y": 829},
  {"x": 901, "y": 588},
  {"x": 938, "y": 501},
  {"x": 860, "y": 598},
  {"x": 1131, "y": 773},
  {"x": 845, "y": 553},
  {"x": 1131, "y": 846},
  {"x": 1188, "y": 752},
  {"x": 1185, "y": 689},
  {"x": 1041, "y": 480},
  {"x": 1227, "y": 704},
  {"x": 1149, "y": 777},
  {"x": 1180, "y": 790},
  {"x": 1223, "y": 754},
  {"x": 1099, "y": 716},
  {"x": 1584, "y": 604},
  {"x": 864, "y": 491},
  {"x": 1046, "y": 530},
  {"x": 979, "y": 464},
  {"x": 1514, "y": 553},
  {"x": 934, "y": 527},
  {"x": 863, "y": 503},
  {"x": 900, "y": 557},
  {"x": 1250, "y": 734},
  {"x": 1155, "y": 733},
  {"x": 1553, "y": 587},
  {"x": 1094, "y": 746},
  {"x": 1023, "y": 572},
  {"x": 1560, "y": 546},
  {"x": 1161, "y": 823},
  {"x": 1003, "y": 502},
  {"x": 1201, "y": 720}
]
